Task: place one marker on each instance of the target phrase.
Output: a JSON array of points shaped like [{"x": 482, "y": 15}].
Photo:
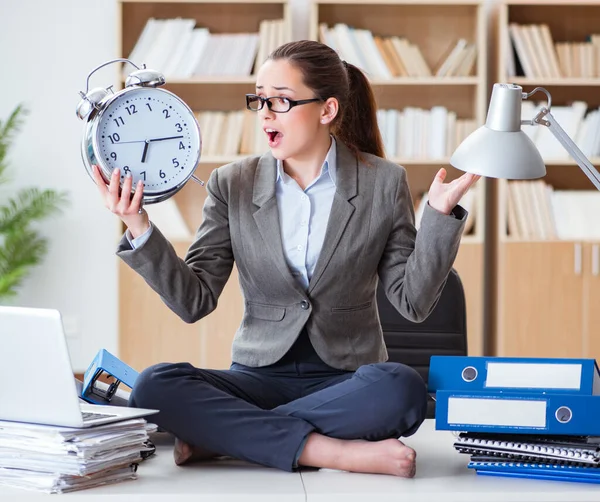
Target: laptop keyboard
[{"x": 87, "y": 416}]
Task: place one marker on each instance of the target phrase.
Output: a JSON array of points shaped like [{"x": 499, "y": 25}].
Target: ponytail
[
  {"x": 330, "y": 77},
  {"x": 358, "y": 127}
]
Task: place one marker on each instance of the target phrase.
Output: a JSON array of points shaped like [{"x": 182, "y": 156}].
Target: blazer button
[{"x": 305, "y": 305}]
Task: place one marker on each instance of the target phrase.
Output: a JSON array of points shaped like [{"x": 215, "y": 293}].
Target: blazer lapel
[
  {"x": 341, "y": 209},
  {"x": 267, "y": 215}
]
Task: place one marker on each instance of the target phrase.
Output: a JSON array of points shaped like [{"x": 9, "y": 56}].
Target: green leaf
[
  {"x": 8, "y": 131},
  {"x": 30, "y": 205},
  {"x": 21, "y": 248}
]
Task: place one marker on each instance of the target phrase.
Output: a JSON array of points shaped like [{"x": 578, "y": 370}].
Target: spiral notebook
[
  {"x": 537, "y": 471},
  {"x": 564, "y": 450}
]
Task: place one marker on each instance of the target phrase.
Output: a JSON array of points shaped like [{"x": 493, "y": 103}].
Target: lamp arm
[{"x": 545, "y": 118}]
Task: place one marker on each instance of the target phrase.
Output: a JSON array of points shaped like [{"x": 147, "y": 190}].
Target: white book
[
  {"x": 586, "y": 135},
  {"x": 348, "y": 48},
  {"x": 327, "y": 37},
  {"x": 421, "y": 64},
  {"x": 569, "y": 118},
  {"x": 143, "y": 44},
  {"x": 204, "y": 62},
  {"x": 249, "y": 53},
  {"x": 409, "y": 125},
  {"x": 391, "y": 126},
  {"x": 451, "y": 143},
  {"x": 182, "y": 41},
  {"x": 219, "y": 60},
  {"x": 194, "y": 53},
  {"x": 450, "y": 61},
  {"x": 378, "y": 63},
  {"x": 163, "y": 45},
  {"x": 262, "y": 45},
  {"x": 437, "y": 132}
]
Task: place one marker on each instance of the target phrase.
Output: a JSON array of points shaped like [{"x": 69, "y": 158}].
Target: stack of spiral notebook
[
  {"x": 521, "y": 417},
  {"x": 572, "y": 458}
]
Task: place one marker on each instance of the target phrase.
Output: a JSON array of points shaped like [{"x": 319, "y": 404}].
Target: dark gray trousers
[{"x": 264, "y": 415}]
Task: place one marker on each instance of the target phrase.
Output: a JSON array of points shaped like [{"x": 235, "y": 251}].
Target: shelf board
[
  {"x": 420, "y": 162},
  {"x": 225, "y": 159},
  {"x": 251, "y": 79},
  {"x": 559, "y": 3},
  {"x": 570, "y": 162},
  {"x": 206, "y": 1},
  {"x": 400, "y": 2},
  {"x": 427, "y": 81},
  {"x": 522, "y": 81}
]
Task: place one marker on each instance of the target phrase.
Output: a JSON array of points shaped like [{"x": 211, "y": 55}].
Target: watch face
[{"x": 151, "y": 134}]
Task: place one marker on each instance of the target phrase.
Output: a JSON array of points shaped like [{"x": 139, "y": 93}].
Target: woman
[{"x": 312, "y": 226}]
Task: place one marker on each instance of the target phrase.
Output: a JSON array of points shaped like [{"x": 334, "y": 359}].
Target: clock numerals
[
  {"x": 166, "y": 112},
  {"x": 143, "y": 173},
  {"x": 175, "y": 162},
  {"x": 113, "y": 155},
  {"x": 149, "y": 107},
  {"x": 126, "y": 169},
  {"x": 162, "y": 174},
  {"x": 119, "y": 121},
  {"x": 114, "y": 138},
  {"x": 131, "y": 109},
  {"x": 178, "y": 126},
  {"x": 181, "y": 146}
]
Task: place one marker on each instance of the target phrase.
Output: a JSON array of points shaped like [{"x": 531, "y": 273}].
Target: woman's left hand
[{"x": 444, "y": 196}]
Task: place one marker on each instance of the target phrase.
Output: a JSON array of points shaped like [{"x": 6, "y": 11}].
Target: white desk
[{"x": 442, "y": 475}]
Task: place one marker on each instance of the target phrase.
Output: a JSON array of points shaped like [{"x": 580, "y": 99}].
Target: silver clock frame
[{"x": 95, "y": 104}]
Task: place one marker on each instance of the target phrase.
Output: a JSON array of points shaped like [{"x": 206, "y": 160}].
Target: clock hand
[
  {"x": 125, "y": 142},
  {"x": 145, "y": 151},
  {"x": 163, "y": 139}
]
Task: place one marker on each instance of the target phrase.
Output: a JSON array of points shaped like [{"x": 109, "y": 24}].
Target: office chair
[{"x": 444, "y": 332}]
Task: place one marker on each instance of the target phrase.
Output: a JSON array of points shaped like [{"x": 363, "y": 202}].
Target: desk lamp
[{"x": 500, "y": 149}]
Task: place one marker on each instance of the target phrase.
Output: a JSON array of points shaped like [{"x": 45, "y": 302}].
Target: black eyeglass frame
[{"x": 262, "y": 100}]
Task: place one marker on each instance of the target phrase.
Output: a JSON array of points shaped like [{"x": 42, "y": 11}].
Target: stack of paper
[{"x": 60, "y": 459}]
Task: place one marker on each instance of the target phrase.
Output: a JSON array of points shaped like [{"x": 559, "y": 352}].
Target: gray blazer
[{"x": 370, "y": 234}]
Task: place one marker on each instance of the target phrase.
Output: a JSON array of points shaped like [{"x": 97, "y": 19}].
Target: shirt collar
[{"x": 329, "y": 166}]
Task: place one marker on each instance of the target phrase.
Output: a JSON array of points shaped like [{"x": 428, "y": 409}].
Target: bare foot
[
  {"x": 184, "y": 453},
  {"x": 388, "y": 456}
]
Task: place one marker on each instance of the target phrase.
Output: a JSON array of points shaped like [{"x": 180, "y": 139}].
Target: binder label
[
  {"x": 496, "y": 412},
  {"x": 534, "y": 375}
]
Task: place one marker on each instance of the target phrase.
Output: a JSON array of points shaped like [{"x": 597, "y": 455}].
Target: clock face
[{"x": 151, "y": 134}]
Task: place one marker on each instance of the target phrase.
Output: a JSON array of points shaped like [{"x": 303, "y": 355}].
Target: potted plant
[{"x": 21, "y": 246}]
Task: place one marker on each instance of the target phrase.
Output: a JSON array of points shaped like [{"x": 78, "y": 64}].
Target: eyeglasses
[{"x": 276, "y": 104}]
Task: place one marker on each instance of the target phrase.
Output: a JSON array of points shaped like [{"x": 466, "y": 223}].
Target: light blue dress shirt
[{"x": 303, "y": 217}]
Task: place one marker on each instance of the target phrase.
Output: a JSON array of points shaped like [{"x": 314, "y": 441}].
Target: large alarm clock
[{"x": 142, "y": 130}]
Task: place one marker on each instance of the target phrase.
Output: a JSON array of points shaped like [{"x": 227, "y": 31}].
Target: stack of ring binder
[{"x": 521, "y": 417}]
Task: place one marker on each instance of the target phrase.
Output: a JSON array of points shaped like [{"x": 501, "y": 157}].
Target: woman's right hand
[{"x": 122, "y": 204}]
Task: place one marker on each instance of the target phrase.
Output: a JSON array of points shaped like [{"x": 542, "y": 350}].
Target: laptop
[{"x": 37, "y": 384}]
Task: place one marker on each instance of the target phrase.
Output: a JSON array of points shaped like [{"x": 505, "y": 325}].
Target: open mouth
[{"x": 274, "y": 136}]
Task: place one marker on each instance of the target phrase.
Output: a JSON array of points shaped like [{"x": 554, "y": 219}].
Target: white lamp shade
[
  {"x": 500, "y": 149},
  {"x": 499, "y": 154}
]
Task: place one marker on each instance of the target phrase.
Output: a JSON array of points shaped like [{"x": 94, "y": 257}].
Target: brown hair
[{"x": 329, "y": 77}]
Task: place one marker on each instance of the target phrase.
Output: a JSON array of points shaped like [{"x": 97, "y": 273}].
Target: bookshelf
[
  {"x": 434, "y": 27},
  {"x": 149, "y": 331},
  {"x": 548, "y": 288}
]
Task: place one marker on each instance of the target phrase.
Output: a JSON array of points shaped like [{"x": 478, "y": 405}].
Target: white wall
[{"x": 47, "y": 49}]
